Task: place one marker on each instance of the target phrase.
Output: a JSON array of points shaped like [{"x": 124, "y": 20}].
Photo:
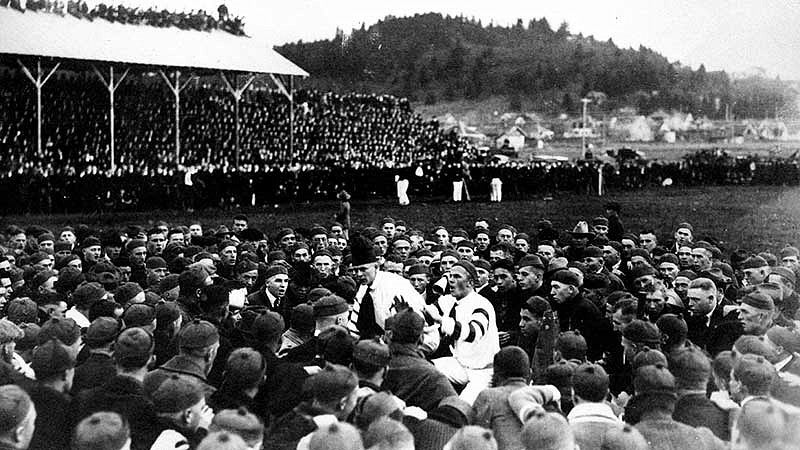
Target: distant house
[
  {"x": 774, "y": 130},
  {"x": 631, "y": 128},
  {"x": 577, "y": 130},
  {"x": 745, "y": 130},
  {"x": 513, "y": 138}
]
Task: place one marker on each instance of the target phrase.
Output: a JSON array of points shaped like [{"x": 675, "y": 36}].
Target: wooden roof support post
[
  {"x": 176, "y": 87},
  {"x": 237, "y": 92},
  {"x": 112, "y": 86},
  {"x": 38, "y": 81}
]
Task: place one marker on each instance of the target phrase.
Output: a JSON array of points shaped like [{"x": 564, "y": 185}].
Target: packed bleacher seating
[
  {"x": 194, "y": 20},
  {"x": 356, "y": 142},
  {"x": 395, "y": 338}
]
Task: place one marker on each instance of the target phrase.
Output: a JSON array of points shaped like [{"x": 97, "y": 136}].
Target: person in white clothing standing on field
[
  {"x": 497, "y": 190},
  {"x": 469, "y": 319}
]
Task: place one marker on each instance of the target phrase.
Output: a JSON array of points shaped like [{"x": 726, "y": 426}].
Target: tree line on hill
[{"x": 430, "y": 58}]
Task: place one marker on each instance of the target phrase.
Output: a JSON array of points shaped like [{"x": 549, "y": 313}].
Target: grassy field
[{"x": 750, "y": 217}]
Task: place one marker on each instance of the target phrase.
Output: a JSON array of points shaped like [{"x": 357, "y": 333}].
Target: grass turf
[{"x": 755, "y": 218}]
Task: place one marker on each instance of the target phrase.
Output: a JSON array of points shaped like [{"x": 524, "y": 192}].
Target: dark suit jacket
[
  {"x": 54, "y": 418},
  {"x": 95, "y": 371},
  {"x": 282, "y": 388},
  {"x": 719, "y": 335},
  {"x": 580, "y": 314},
  {"x": 414, "y": 379},
  {"x": 125, "y": 396},
  {"x": 698, "y": 411}
]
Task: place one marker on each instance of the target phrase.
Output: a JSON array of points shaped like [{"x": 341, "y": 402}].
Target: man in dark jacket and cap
[
  {"x": 577, "y": 313},
  {"x": 410, "y": 376}
]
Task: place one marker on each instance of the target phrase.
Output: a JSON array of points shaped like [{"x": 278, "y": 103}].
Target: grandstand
[
  {"x": 68, "y": 38},
  {"x": 116, "y": 116}
]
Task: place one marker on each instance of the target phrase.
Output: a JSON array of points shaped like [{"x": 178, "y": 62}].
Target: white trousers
[
  {"x": 476, "y": 380},
  {"x": 402, "y": 192},
  {"x": 496, "y": 194},
  {"x": 458, "y": 188}
]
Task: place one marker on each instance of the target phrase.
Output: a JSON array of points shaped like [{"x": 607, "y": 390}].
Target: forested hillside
[{"x": 429, "y": 58}]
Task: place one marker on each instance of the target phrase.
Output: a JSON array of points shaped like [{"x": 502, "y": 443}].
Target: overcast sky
[{"x": 734, "y": 35}]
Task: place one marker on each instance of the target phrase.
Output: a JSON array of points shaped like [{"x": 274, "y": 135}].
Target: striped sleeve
[
  {"x": 474, "y": 328},
  {"x": 353, "y": 318}
]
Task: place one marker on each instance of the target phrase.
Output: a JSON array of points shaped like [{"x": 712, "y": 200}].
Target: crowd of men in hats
[
  {"x": 391, "y": 337},
  {"x": 356, "y": 142},
  {"x": 219, "y": 186},
  {"x": 193, "y": 20}
]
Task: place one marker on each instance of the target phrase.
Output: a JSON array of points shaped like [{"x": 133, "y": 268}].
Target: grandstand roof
[{"x": 52, "y": 35}]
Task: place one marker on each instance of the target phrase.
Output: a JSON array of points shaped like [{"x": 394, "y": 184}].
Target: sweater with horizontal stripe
[{"x": 472, "y": 323}]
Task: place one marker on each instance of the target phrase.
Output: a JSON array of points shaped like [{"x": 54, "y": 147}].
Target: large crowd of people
[
  {"x": 330, "y": 130},
  {"x": 194, "y": 20},
  {"x": 353, "y": 142},
  {"x": 395, "y": 338}
]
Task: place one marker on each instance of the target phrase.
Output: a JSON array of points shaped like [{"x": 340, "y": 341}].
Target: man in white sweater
[{"x": 469, "y": 320}]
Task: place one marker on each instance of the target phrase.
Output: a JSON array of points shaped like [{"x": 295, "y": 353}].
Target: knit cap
[
  {"x": 625, "y": 437},
  {"x": 784, "y": 337},
  {"x": 176, "y": 393},
  {"x": 88, "y": 294},
  {"x": 63, "y": 329},
  {"x": 240, "y": 422},
  {"x": 9, "y": 332},
  {"x": 338, "y": 435},
  {"x": 648, "y": 357},
  {"x": 641, "y": 331},
  {"x": 330, "y": 305},
  {"x": 126, "y": 292},
  {"x": 333, "y": 382},
  {"x": 407, "y": 327},
  {"x": 133, "y": 346},
  {"x": 473, "y": 437},
  {"x": 303, "y": 317},
  {"x": 102, "y": 331},
  {"x": 139, "y": 315},
  {"x": 690, "y": 367},
  {"x": 15, "y": 404},
  {"x": 547, "y": 430},
  {"x": 51, "y": 358},
  {"x": 101, "y": 430},
  {"x": 654, "y": 379},
  {"x": 567, "y": 277},
  {"x": 372, "y": 352},
  {"x": 198, "y": 334}
]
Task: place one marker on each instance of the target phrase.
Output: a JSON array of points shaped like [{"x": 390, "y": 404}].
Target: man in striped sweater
[{"x": 468, "y": 319}]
